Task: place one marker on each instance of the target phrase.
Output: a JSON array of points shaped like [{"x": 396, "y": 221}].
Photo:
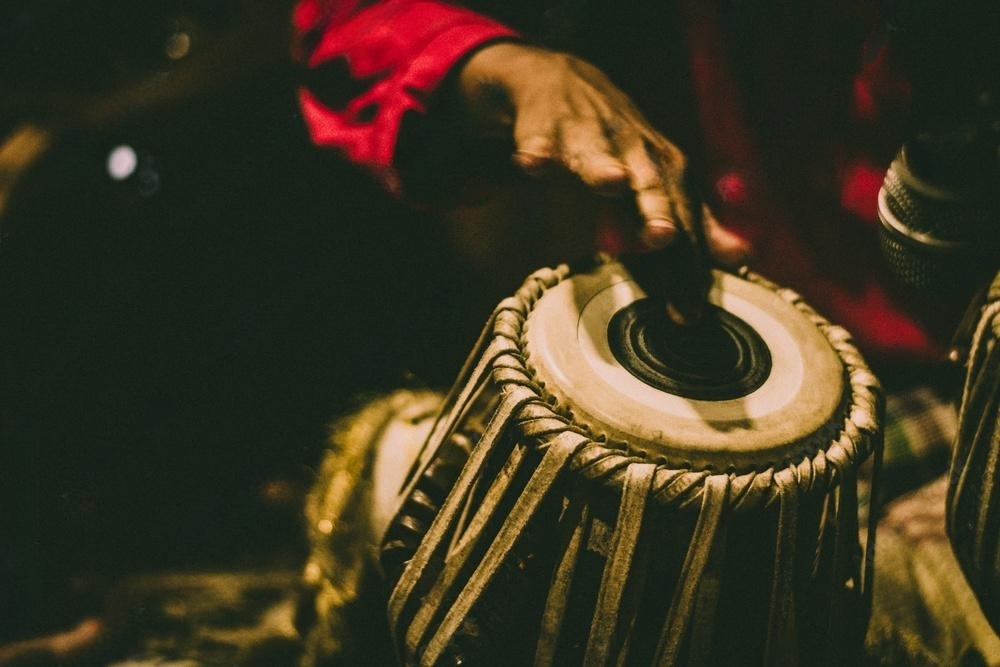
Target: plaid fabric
[
  {"x": 920, "y": 425},
  {"x": 919, "y": 429}
]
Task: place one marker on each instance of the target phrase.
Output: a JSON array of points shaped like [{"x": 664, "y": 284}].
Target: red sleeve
[{"x": 395, "y": 53}]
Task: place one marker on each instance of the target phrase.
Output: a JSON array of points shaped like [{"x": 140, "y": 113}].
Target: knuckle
[
  {"x": 537, "y": 145},
  {"x": 654, "y": 204},
  {"x": 676, "y": 166}
]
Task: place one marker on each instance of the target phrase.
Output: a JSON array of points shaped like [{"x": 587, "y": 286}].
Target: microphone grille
[{"x": 931, "y": 236}]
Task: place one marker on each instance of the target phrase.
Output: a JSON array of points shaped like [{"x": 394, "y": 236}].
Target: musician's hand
[{"x": 566, "y": 114}]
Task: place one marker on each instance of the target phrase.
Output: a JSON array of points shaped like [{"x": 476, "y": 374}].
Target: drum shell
[{"x": 512, "y": 607}]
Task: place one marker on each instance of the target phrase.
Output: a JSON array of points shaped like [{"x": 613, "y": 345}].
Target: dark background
[{"x": 174, "y": 344}]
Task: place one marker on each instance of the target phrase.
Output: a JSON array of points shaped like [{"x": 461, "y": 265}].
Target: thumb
[{"x": 725, "y": 246}]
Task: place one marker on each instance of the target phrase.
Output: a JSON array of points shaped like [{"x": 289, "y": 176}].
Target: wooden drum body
[{"x": 638, "y": 493}]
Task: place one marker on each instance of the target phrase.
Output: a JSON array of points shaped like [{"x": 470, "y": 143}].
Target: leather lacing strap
[
  {"x": 476, "y": 370},
  {"x": 702, "y": 623},
  {"x": 425, "y": 567},
  {"x": 693, "y": 580},
  {"x": 608, "y": 609},
  {"x": 779, "y": 648},
  {"x": 984, "y": 543},
  {"x": 576, "y": 518},
  {"x": 980, "y": 358},
  {"x": 539, "y": 486},
  {"x": 426, "y": 562}
]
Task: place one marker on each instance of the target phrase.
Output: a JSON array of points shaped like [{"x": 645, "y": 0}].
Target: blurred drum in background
[{"x": 973, "y": 505}]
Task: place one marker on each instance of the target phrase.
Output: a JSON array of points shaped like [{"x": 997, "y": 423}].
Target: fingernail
[
  {"x": 658, "y": 234},
  {"x": 691, "y": 315},
  {"x": 675, "y": 315}
]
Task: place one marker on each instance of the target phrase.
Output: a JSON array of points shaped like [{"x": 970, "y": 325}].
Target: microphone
[
  {"x": 936, "y": 235},
  {"x": 940, "y": 199}
]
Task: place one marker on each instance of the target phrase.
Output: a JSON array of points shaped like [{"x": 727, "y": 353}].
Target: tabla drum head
[{"x": 755, "y": 384}]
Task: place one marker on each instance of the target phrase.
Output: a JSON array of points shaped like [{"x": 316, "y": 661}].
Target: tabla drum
[{"x": 637, "y": 493}]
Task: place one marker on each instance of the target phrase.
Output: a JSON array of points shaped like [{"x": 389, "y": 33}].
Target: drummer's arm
[{"x": 416, "y": 87}]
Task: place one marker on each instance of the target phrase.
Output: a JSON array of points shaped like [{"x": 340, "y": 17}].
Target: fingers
[
  {"x": 536, "y": 152},
  {"x": 607, "y": 166},
  {"x": 578, "y": 146},
  {"x": 592, "y": 156},
  {"x": 725, "y": 247},
  {"x": 569, "y": 116},
  {"x": 610, "y": 163},
  {"x": 660, "y": 225}
]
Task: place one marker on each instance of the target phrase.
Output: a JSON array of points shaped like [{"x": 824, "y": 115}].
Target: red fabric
[{"x": 404, "y": 48}]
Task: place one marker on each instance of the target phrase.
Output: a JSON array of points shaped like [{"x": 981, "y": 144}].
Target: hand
[{"x": 566, "y": 114}]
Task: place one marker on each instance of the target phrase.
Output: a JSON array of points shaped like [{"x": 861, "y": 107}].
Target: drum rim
[
  {"x": 853, "y": 429},
  {"x": 786, "y": 418}
]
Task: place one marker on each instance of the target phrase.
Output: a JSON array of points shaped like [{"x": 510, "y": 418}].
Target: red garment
[{"x": 401, "y": 50}]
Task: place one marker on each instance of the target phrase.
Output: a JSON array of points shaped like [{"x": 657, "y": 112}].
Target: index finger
[
  {"x": 672, "y": 225},
  {"x": 660, "y": 226}
]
